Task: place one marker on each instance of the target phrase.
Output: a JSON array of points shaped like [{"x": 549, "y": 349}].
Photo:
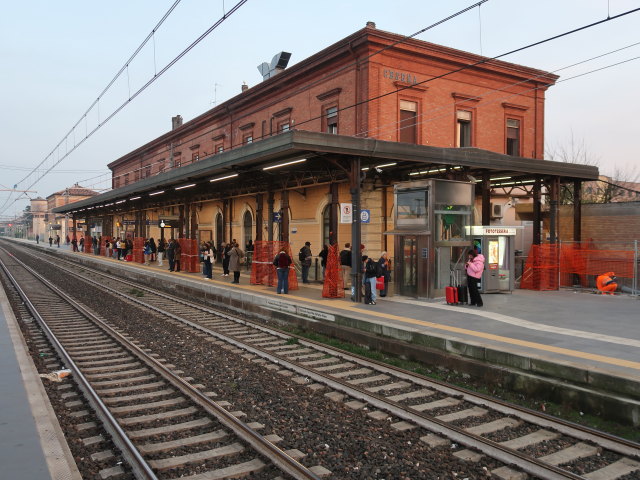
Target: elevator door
[{"x": 408, "y": 284}]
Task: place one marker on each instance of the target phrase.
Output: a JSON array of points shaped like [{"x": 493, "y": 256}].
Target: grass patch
[{"x": 136, "y": 292}]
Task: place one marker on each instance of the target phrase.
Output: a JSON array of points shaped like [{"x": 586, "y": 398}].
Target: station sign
[
  {"x": 277, "y": 217},
  {"x": 168, "y": 223},
  {"x": 346, "y": 214},
  {"x": 487, "y": 230}
]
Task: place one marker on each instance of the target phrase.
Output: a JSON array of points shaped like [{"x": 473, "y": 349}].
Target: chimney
[
  {"x": 176, "y": 122},
  {"x": 371, "y": 24},
  {"x": 245, "y": 87}
]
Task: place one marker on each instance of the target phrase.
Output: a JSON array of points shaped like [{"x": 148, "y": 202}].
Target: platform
[
  {"x": 588, "y": 342},
  {"x": 32, "y": 444}
]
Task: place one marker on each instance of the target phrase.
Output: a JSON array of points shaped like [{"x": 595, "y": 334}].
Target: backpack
[
  {"x": 275, "y": 260},
  {"x": 379, "y": 270},
  {"x": 301, "y": 255}
]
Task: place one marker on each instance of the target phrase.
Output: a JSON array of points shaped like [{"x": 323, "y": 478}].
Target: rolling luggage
[
  {"x": 452, "y": 295},
  {"x": 451, "y": 292}
]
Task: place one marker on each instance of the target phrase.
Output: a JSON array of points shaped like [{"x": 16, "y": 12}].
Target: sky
[{"x": 57, "y": 58}]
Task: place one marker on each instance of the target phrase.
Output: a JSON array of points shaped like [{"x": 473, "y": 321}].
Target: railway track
[
  {"x": 149, "y": 410},
  {"x": 406, "y": 400}
]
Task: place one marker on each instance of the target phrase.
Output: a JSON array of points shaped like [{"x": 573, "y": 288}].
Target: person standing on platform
[
  {"x": 154, "y": 249},
  {"x": 385, "y": 271},
  {"x": 324, "y": 254},
  {"x": 345, "y": 265},
  {"x": 50, "y": 241},
  {"x": 171, "y": 254},
  {"x": 177, "y": 252},
  {"x": 226, "y": 248},
  {"x": 161, "y": 249},
  {"x": 146, "y": 251},
  {"x": 474, "y": 268},
  {"x": 209, "y": 258},
  {"x": 305, "y": 261},
  {"x": 370, "y": 273},
  {"x": 58, "y": 240},
  {"x": 38, "y": 239},
  {"x": 282, "y": 263},
  {"x": 236, "y": 258},
  {"x": 81, "y": 244}
]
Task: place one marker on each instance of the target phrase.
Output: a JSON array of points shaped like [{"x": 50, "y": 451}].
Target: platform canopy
[{"x": 264, "y": 165}]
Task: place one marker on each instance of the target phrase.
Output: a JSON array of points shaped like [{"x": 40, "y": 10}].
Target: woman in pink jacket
[{"x": 474, "y": 268}]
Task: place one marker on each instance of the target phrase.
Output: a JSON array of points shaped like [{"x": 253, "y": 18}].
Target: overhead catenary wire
[
  {"x": 448, "y": 105},
  {"x": 515, "y": 84},
  {"x": 138, "y": 92}
]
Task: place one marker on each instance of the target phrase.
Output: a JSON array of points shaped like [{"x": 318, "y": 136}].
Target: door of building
[{"x": 408, "y": 266}]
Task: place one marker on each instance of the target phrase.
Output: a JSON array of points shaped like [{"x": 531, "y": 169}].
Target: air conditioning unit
[{"x": 496, "y": 210}]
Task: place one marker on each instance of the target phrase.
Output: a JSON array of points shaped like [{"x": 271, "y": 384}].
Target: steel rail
[
  {"x": 141, "y": 468},
  {"x": 504, "y": 454},
  {"x": 280, "y": 459},
  {"x": 603, "y": 439}
]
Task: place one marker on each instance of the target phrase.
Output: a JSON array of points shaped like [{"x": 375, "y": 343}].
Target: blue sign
[
  {"x": 277, "y": 217},
  {"x": 365, "y": 216}
]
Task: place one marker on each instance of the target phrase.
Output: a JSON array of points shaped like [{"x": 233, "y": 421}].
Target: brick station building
[{"x": 344, "y": 125}]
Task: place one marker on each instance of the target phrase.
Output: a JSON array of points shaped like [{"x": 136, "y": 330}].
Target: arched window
[
  {"x": 326, "y": 225},
  {"x": 247, "y": 223},
  {"x": 219, "y": 230}
]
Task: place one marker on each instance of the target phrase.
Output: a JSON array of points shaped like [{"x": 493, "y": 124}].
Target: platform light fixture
[
  {"x": 285, "y": 164},
  {"x": 434, "y": 170},
  {"x": 156, "y": 193},
  {"x": 186, "y": 186},
  {"x": 120, "y": 201},
  {"x": 386, "y": 165},
  {"x": 218, "y": 179},
  {"x": 135, "y": 198}
]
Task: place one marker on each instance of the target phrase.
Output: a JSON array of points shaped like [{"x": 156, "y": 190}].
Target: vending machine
[{"x": 497, "y": 245}]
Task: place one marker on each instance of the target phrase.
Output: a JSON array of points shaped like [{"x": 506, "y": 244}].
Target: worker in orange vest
[{"x": 606, "y": 283}]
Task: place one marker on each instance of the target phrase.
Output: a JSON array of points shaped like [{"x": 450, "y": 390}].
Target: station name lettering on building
[{"x": 399, "y": 76}]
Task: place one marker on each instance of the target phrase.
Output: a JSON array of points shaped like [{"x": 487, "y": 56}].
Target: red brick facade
[{"x": 351, "y": 72}]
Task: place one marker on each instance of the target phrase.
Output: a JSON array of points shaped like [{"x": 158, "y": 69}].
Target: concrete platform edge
[{"x": 57, "y": 454}]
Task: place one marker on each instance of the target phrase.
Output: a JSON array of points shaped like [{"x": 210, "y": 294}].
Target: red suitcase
[{"x": 452, "y": 295}]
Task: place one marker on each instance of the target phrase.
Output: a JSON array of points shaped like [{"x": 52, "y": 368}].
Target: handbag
[{"x": 380, "y": 283}]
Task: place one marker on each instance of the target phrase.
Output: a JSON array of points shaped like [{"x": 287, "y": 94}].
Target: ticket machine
[{"x": 497, "y": 244}]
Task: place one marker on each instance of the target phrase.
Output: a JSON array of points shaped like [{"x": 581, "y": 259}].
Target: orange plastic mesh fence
[
  {"x": 333, "y": 286},
  {"x": 550, "y": 266},
  {"x": 138, "y": 250},
  {"x": 189, "y": 255},
  {"x": 88, "y": 244},
  {"x": 263, "y": 271}
]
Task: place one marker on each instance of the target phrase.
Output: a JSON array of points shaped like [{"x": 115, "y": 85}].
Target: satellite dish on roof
[{"x": 278, "y": 63}]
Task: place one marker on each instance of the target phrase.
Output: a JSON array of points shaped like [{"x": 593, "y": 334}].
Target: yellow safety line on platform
[{"x": 488, "y": 336}]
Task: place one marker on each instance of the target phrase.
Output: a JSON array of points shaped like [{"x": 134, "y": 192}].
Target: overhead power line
[{"x": 157, "y": 75}]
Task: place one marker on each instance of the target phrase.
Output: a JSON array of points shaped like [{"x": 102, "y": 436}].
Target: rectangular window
[
  {"x": 177, "y": 162},
  {"x": 513, "y": 137},
  {"x": 136, "y": 175},
  {"x": 412, "y": 207},
  {"x": 126, "y": 179},
  {"x": 463, "y": 128},
  {"x": 247, "y": 139},
  {"x": 147, "y": 171},
  {"x": 332, "y": 120},
  {"x": 284, "y": 126},
  {"x": 408, "y": 112},
  {"x": 195, "y": 157},
  {"x": 161, "y": 166},
  {"x": 219, "y": 148},
  {"x": 117, "y": 180}
]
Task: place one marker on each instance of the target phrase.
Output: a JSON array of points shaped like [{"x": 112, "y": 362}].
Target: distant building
[{"x": 59, "y": 224}]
